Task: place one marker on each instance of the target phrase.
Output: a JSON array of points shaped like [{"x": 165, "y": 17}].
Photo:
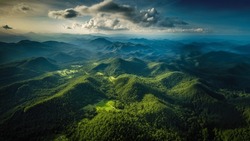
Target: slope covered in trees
[{"x": 174, "y": 92}]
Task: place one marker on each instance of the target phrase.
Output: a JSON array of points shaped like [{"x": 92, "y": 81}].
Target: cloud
[
  {"x": 63, "y": 14},
  {"x": 115, "y": 15},
  {"x": 6, "y": 27},
  {"x": 152, "y": 17},
  {"x": 107, "y": 6},
  {"x": 199, "y": 30},
  {"x": 101, "y": 22},
  {"x": 22, "y": 7},
  {"x": 67, "y": 27},
  {"x": 106, "y": 22},
  {"x": 73, "y": 26}
]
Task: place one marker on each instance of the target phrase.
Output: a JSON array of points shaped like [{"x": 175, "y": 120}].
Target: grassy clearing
[
  {"x": 95, "y": 64},
  {"x": 99, "y": 74},
  {"x": 112, "y": 79},
  {"x": 66, "y": 72},
  {"x": 106, "y": 105}
]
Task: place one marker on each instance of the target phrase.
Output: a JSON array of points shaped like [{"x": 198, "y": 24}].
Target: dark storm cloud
[
  {"x": 6, "y": 27},
  {"x": 24, "y": 7},
  {"x": 145, "y": 18},
  {"x": 63, "y": 14},
  {"x": 107, "y": 6},
  {"x": 110, "y": 6}
]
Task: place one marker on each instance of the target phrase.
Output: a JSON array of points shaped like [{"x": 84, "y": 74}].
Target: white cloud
[
  {"x": 108, "y": 8},
  {"x": 74, "y": 25},
  {"x": 106, "y": 22},
  {"x": 199, "y": 30}
]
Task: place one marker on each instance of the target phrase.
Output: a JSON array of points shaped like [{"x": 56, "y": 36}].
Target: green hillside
[
  {"x": 185, "y": 93},
  {"x": 118, "y": 66},
  {"x": 25, "y": 69}
]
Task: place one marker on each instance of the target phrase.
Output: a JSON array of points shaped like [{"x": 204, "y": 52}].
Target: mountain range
[{"x": 137, "y": 89}]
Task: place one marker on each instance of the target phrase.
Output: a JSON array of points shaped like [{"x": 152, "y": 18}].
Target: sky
[{"x": 229, "y": 17}]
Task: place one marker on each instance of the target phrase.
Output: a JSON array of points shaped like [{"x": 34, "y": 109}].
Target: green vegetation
[
  {"x": 194, "y": 96},
  {"x": 106, "y": 105},
  {"x": 139, "y": 120}
]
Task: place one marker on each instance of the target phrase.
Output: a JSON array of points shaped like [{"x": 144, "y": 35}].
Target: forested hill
[{"x": 135, "y": 89}]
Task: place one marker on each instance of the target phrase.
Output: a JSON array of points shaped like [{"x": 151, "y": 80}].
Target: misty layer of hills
[{"x": 131, "y": 89}]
